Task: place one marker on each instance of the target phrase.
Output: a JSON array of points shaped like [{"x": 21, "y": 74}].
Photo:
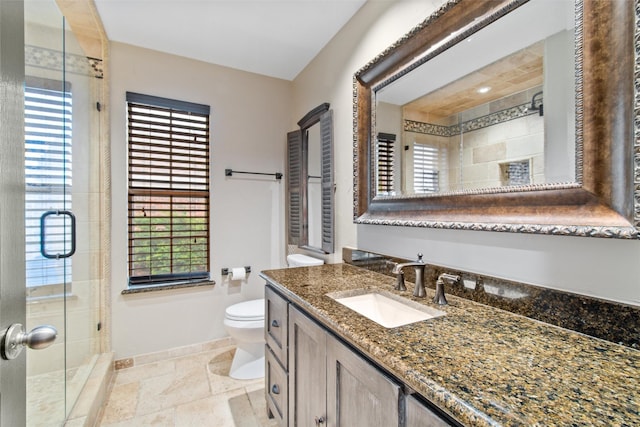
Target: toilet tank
[{"x": 300, "y": 260}]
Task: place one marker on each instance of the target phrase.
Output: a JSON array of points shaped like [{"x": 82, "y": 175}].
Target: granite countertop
[{"x": 482, "y": 365}]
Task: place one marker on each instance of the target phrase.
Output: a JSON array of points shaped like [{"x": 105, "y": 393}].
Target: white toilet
[
  {"x": 245, "y": 324},
  {"x": 300, "y": 260}
]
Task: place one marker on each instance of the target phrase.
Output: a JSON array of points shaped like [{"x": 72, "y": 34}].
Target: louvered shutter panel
[
  {"x": 326, "y": 136},
  {"x": 294, "y": 186},
  {"x": 384, "y": 158}
]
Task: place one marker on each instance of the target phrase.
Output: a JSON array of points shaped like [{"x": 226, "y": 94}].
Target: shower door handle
[
  {"x": 43, "y": 235},
  {"x": 14, "y": 339}
]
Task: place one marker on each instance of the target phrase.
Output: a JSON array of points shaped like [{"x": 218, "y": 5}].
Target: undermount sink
[{"x": 386, "y": 309}]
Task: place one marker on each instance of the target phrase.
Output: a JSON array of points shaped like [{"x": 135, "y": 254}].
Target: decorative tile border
[
  {"x": 503, "y": 116},
  {"x": 51, "y": 59},
  {"x": 610, "y": 321}
]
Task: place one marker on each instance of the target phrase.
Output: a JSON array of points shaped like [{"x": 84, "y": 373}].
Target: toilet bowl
[
  {"x": 300, "y": 260},
  {"x": 245, "y": 324}
]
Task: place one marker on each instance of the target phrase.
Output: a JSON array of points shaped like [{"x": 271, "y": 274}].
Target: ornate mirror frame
[{"x": 604, "y": 201}]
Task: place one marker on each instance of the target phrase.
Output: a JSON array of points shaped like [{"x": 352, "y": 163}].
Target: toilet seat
[{"x": 246, "y": 311}]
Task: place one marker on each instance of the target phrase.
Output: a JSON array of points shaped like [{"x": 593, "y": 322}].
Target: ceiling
[
  {"x": 510, "y": 75},
  {"x": 276, "y": 38}
]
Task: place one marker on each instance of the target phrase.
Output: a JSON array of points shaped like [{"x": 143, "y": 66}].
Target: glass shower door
[{"x": 61, "y": 212}]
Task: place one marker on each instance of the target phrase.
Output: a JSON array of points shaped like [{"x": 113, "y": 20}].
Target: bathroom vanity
[
  {"x": 475, "y": 365},
  {"x": 328, "y": 380}
]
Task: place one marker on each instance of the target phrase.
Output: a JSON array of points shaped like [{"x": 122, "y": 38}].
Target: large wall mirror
[
  {"x": 310, "y": 186},
  {"x": 510, "y": 115}
]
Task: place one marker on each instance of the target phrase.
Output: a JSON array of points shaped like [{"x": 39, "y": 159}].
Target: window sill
[
  {"x": 51, "y": 298},
  {"x": 163, "y": 287}
]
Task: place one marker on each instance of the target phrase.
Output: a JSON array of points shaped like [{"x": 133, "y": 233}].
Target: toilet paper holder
[{"x": 226, "y": 271}]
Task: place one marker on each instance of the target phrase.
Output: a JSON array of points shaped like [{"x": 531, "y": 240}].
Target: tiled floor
[{"x": 189, "y": 391}]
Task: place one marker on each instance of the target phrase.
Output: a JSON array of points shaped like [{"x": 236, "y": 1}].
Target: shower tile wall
[{"x": 486, "y": 149}]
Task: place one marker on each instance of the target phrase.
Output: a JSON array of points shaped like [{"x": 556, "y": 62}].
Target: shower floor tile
[{"x": 192, "y": 390}]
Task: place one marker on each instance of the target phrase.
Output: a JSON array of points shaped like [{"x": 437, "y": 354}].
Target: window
[
  {"x": 48, "y": 112},
  {"x": 168, "y": 190},
  {"x": 425, "y": 168},
  {"x": 384, "y": 157}
]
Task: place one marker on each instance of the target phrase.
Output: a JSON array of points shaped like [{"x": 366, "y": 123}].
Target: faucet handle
[
  {"x": 420, "y": 258},
  {"x": 400, "y": 286},
  {"x": 452, "y": 278},
  {"x": 439, "y": 297}
]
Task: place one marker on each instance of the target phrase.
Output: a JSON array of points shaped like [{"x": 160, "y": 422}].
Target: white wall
[
  {"x": 250, "y": 115},
  {"x": 599, "y": 267}
]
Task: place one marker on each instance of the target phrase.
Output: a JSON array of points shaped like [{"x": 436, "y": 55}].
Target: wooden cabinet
[
  {"x": 313, "y": 379},
  {"x": 420, "y": 415},
  {"x": 276, "y": 317},
  {"x": 276, "y": 322},
  {"x": 331, "y": 385},
  {"x": 307, "y": 370},
  {"x": 358, "y": 394},
  {"x": 276, "y": 388}
]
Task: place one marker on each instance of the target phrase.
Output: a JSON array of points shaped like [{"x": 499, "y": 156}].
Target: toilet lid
[{"x": 248, "y": 310}]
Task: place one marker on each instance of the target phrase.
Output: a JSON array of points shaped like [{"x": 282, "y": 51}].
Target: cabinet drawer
[
  {"x": 276, "y": 388},
  {"x": 276, "y": 323}
]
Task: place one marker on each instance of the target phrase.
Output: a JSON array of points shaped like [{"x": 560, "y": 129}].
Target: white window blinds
[
  {"x": 425, "y": 168},
  {"x": 48, "y": 132}
]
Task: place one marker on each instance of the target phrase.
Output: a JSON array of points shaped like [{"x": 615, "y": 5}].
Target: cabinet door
[
  {"x": 358, "y": 394},
  {"x": 307, "y": 371},
  {"x": 419, "y": 415},
  {"x": 275, "y": 328}
]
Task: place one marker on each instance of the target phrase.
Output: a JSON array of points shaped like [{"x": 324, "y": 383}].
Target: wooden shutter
[
  {"x": 294, "y": 187},
  {"x": 385, "y": 143},
  {"x": 328, "y": 198}
]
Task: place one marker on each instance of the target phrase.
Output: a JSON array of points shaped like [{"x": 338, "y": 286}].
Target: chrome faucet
[
  {"x": 419, "y": 266},
  {"x": 439, "y": 298}
]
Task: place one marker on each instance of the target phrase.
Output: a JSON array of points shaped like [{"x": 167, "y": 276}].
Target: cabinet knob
[
  {"x": 275, "y": 389},
  {"x": 319, "y": 421},
  {"x": 275, "y": 324}
]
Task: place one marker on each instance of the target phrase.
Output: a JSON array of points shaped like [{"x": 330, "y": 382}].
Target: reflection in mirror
[{"x": 496, "y": 109}]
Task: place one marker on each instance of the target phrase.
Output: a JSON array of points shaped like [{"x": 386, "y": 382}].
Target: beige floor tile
[
  {"x": 259, "y": 406},
  {"x": 218, "y": 370},
  {"x": 138, "y": 373},
  {"x": 212, "y": 411},
  {"x": 164, "y": 418},
  {"x": 171, "y": 390},
  {"x": 193, "y": 390},
  {"x": 122, "y": 403}
]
